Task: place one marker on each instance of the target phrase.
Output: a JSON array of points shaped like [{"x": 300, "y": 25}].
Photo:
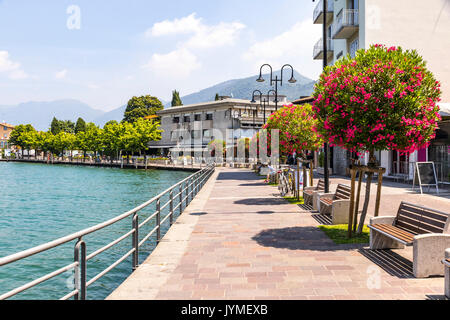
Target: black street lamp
[
  {"x": 276, "y": 80},
  {"x": 325, "y": 57},
  {"x": 254, "y": 101}
]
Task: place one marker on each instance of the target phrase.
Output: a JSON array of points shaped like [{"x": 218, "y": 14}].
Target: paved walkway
[{"x": 239, "y": 240}]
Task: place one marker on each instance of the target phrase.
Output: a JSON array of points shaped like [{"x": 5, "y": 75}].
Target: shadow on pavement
[
  {"x": 238, "y": 176},
  {"x": 299, "y": 238},
  {"x": 322, "y": 219},
  {"x": 261, "y": 201},
  {"x": 391, "y": 262}
]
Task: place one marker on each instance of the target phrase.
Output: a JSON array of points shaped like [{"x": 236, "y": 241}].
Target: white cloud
[
  {"x": 202, "y": 35},
  {"x": 178, "y": 63},
  {"x": 219, "y": 35},
  {"x": 11, "y": 68},
  {"x": 294, "y": 46},
  {"x": 61, "y": 74},
  {"x": 184, "y": 25},
  {"x": 93, "y": 86}
]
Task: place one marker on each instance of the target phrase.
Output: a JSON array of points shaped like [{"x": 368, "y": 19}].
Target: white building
[{"x": 411, "y": 24}]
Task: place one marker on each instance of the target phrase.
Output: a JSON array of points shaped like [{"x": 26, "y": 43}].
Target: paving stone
[{"x": 252, "y": 244}]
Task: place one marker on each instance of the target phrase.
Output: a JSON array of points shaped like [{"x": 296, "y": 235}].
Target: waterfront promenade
[
  {"x": 115, "y": 164},
  {"x": 239, "y": 240}
]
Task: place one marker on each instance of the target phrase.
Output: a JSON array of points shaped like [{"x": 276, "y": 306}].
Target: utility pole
[{"x": 325, "y": 58}]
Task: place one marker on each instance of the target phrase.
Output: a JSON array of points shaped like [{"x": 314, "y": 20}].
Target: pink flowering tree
[
  {"x": 296, "y": 125},
  {"x": 383, "y": 99}
]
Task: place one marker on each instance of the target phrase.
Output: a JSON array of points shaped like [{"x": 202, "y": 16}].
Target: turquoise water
[{"x": 40, "y": 203}]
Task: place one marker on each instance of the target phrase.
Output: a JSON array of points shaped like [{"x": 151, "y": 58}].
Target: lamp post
[
  {"x": 325, "y": 38},
  {"x": 260, "y": 103},
  {"x": 276, "y": 80}
]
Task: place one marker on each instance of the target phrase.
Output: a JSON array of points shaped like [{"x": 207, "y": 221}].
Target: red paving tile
[{"x": 252, "y": 244}]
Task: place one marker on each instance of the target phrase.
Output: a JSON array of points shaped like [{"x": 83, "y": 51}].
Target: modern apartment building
[
  {"x": 5, "y": 131},
  {"x": 188, "y": 129},
  {"x": 411, "y": 24}
]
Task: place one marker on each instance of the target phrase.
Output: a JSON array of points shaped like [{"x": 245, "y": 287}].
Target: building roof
[
  {"x": 4, "y": 124},
  {"x": 303, "y": 100},
  {"x": 211, "y": 105},
  {"x": 444, "y": 109}
]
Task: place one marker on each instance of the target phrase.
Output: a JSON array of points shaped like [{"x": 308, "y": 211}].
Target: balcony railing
[
  {"x": 318, "y": 12},
  {"x": 318, "y": 49},
  {"x": 347, "y": 22}
]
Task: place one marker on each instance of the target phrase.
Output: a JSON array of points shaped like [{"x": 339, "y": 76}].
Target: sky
[{"x": 104, "y": 52}]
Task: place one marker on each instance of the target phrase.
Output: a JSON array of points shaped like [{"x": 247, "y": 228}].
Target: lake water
[{"x": 40, "y": 203}]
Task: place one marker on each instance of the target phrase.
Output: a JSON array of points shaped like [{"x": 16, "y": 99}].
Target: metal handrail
[
  {"x": 318, "y": 47},
  {"x": 190, "y": 186},
  {"x": 346, "y": 18},
  {"x": 319, "y": 9}
]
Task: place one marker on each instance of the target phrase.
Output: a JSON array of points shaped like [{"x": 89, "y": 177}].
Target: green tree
[
  {"x": 176, "y": 100},
  {"x": 216, "y": 98},
  {"x": 55, "y": 126},
  {"x": 80, "y": 125},
  {"x": 20, "y": 136},
  {"x": 139, "y": 107},
  {"x": 111, "y": 138},
  {"x": 383, "y": 99}
]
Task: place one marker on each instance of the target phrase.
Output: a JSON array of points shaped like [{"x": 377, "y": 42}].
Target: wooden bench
[
  {"x": 446, "y": 263},
  {"x": 423, "y": 228},
  {"x": 310, "y": 193},
  {"x": 337, "y": 204}
]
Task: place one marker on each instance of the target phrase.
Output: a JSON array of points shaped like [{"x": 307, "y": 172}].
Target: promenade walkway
[{"x": 239, "y": 240}]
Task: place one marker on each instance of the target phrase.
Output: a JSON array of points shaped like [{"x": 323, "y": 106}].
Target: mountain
[
  {"x": 243, "y": 88},
  {"x": 116, "y": 114},
  {"x": 40, "y": 114}
]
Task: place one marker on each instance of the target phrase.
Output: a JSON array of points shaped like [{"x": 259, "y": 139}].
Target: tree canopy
[
  {"x": 295, "y": 124},
  {"x": 176, "y": 100},
  {"x": 385, "y": 98},
  {"x": 140, "y": 107}
]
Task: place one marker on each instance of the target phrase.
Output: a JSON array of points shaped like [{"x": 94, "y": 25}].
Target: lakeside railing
[{"x": 184, "y": 191}]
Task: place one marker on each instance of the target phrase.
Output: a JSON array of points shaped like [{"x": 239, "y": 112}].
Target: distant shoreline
[{"x": 109, "y": 164}]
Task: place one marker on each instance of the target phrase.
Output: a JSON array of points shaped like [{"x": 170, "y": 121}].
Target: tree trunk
[{"x": 367, "y": 195}]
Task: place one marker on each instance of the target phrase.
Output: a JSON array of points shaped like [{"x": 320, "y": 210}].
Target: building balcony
[
  {"x": 318, "y": 12},
  {"x": 318, "y": 49},
  {"x": 346, "y": 24}
]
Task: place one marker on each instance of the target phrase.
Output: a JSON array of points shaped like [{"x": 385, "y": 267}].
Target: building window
[
  {"x": 198, "y": 117},
  {"x": 354, "y": 46},
  {"x": 206, "y": 133},
  {"x": 5, "y": 136},
  {"x": 176, "y": 120},
  {"x": 5, "y": 128},
  {"x": 209, "y": 116},
  {"x": 174, "y": 135},
  {"x": 187, "y": 119},
  {"x": 195, "y": 134}
]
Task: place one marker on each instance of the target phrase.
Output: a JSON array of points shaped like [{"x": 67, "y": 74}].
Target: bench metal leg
[
  {"x": 380, "y": 241},
  {"x": 447, "y": 275}
]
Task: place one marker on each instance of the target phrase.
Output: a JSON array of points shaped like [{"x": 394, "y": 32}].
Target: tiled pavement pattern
[{"x": 247, "y": 243}]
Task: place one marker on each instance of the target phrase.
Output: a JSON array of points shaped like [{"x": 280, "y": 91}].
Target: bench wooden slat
[
  {"x": 419, "y": 219},
  {"x": 427, "y": 228},
  {"x": 426, "y": 212},
  {"x": 411, "y": 228},
  {"x": 396, "y": 232}
]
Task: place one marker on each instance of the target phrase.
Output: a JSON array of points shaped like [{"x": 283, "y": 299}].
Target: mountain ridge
[{"x": 41, "y": 113}]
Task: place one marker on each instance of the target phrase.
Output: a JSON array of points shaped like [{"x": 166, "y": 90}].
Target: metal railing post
[
  {"x": 158, "y": 219},
  {"x": 187, "y": 192},
  {"x": 171, "y": 207},
  {"x": 135, "y": 241},
  {"x": 181, "y": 199},
  {"x": 80, "y": 269}
]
